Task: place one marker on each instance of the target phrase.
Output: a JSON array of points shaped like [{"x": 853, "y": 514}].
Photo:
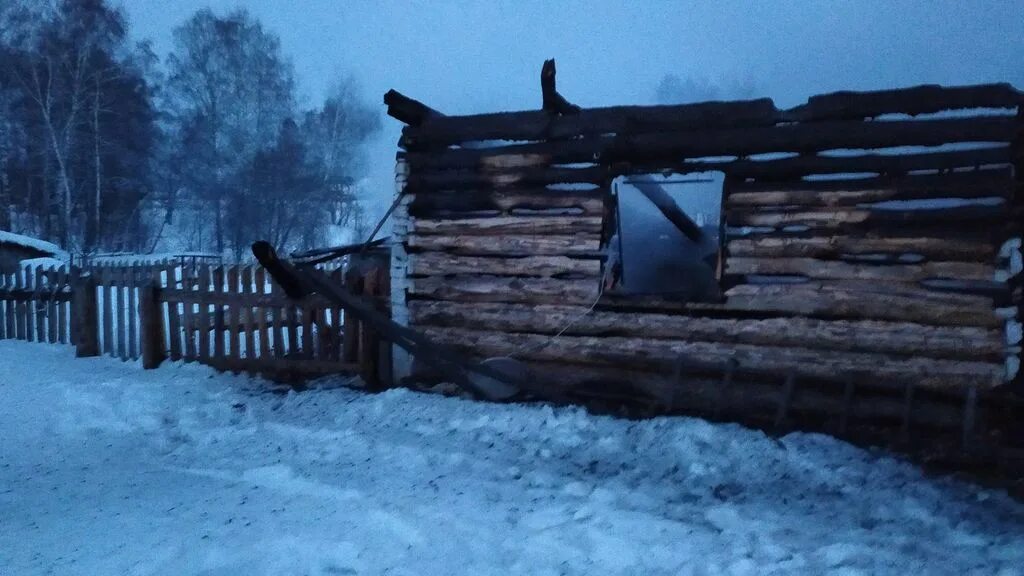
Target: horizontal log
[
  {"x": 836, "y": 218},
  {"x": 439, "y": 263},
  {"x": 504, "y": 289},
  {"x": 835, "y": 270},
  {"x": 885, "y": 303},
  {"x": 407, "y": 110},
  {"x": 46, "y": 295},
  {"x": 807, "y": 138},
  {"x": 640, "y": 352},
  {"x": 816, "y": 165},
  {"x": 903, "y": 338},
  {"x": 926, "y": 99},
  {"x": 539, "y": 225},
  {"x": 420, "y": 181},
  {"x": 539, "y": 125},
  {"x": 509, "y": 202},
  {"x": 979, "y": 184},
  {"x": 963, "y": 250},
  {"x": 508, "y": 244},
  {"x": 677, "y": 146}
]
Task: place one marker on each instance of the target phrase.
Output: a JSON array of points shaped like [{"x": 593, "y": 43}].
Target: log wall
[{"x": 864, "y": 247}]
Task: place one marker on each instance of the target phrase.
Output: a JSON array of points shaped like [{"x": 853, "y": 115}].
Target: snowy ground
[{"x": 109, "y": 469}]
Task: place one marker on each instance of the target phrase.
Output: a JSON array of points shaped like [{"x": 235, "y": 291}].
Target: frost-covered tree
[{"x": 228, "y": 89}]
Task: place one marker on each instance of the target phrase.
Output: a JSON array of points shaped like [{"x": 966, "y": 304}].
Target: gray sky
[{"x": 472, "y": 56}]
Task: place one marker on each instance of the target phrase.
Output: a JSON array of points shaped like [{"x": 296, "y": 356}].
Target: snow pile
[
  {"x": 30, "y": 242},
  {"x": 109, "y": 469}
]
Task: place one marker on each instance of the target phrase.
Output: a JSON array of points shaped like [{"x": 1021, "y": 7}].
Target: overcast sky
[{"x": 475, "y": 56}]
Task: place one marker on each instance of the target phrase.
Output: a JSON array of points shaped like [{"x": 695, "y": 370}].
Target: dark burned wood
[
  {"x": 913, "y": 101},
  {"x": 806, "y": 138},
  {"x": 535, "y": 225},
  {"x": 438, "y": 263},
  {"x": 994, "y": 183},
  {"x": 509, "y": 244},
  {"x": 840, "y": 218},
  {"x": 835, "y": 247},
  {"x": 538, "y": 125},
  {"x": 834, "y": 270},
  {"x": 476, "y": 288},
  {"x": 711, "y": 357},
  {"x": 867, "y": 163},
  {"x": 405, "y": 109},
  {"x": 532, "y": 176},
  {"x": 511, "y": 202},
  {"x": 553, "y": 102},
  {"x": 820, "y": 300},
  {"x": 903, "y": 338},
  {"x": 667, "y": 146}
]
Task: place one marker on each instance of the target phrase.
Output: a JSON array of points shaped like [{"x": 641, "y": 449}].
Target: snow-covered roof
[{"x": 30, "y": 242}]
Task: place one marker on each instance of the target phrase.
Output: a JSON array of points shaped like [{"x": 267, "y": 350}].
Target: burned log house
[{"x": 859, "y": 275}]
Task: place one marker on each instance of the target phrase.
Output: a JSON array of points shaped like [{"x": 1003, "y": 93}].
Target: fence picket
[
  {"x": 53, "y": 288},
  {"x": 203, "y": 321},
  {"x": 173, "y": 316},
  {"x": 247, "y": 314},
  {"x": 188, "y": 284},
  {"x": 133, "y": 309},
  {"x": 261, "y": 314},
  {"x": 107, "y": 291},
  {"x": 3, "y": 307}
]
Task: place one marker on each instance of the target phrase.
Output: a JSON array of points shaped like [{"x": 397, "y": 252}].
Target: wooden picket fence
[{"x": 232, "y": 317}]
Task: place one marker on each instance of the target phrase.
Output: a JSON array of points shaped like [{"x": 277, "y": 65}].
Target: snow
[
  {"x": 30, "y": 242},
  {"x": 109, "y": 469}
]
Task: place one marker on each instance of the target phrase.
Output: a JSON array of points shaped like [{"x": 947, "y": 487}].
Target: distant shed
[
  {"x": 868, "y": 260},
  {"x": 15, "y": 248}
]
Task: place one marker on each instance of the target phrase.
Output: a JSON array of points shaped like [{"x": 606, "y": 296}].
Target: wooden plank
[
  {"x": 997, "y": 183},
  {"x": 53, "y": 285},
  {"x": 218, "y": 275},
  {"x": 661, "y": 354},
  {"x": 307, "y": 311},
  {"x": 3, "y": 307},
  {"x": 805, "y": 165},
  {"x": 276, "y": 319},
  {"x": 903, "y": 338},
  {"x": 509, "y": 244},
  {"x": 841, "y": 218},
  {"x": 188, "y": 312},
  {"x": 535, "y": 225},
  {"x": 828, "y": 247},
  {"x": 134, "y": 312},
  {"x": 231, "y": 326},
  {"x": 204, "y": 320},
  {"x": 38, "y": 304},
  {"x": 819, "y": 300},
  {"x": 11, "y": 308},
  {"x": 108, "y": 308},
  {"x": 923, "y": 99},
  {"x": 504, "y": 289},
  {"x": 438, "y": 263},
  {"x": 247, "y": 319},
  {"x": 353, "y": 281},
  {"x": 540, "y": 125},
  {"x": 286, "y": 367},
  {"x": 534, "y": 176},
  {"x": 292, "y": 323},
  {"x": 835, "y": 270},
  {"x": 261, "y": 313},
  {"x": 441, "y": 169},
  {"x": 21, "y": 282},
  {"x": 120, "y": 275},
  {"x": 509, "y": 202},
  {"x": 174, "y": 312},
  {"x": 368, "y": 341}
]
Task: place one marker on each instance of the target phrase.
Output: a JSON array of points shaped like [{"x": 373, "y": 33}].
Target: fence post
[
  {"x": 85, "y": 317},
  {"x": 151, "y": 326}
]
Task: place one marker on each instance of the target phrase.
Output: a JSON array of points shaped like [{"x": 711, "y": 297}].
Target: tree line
[{"x": 104, "y": 146}]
